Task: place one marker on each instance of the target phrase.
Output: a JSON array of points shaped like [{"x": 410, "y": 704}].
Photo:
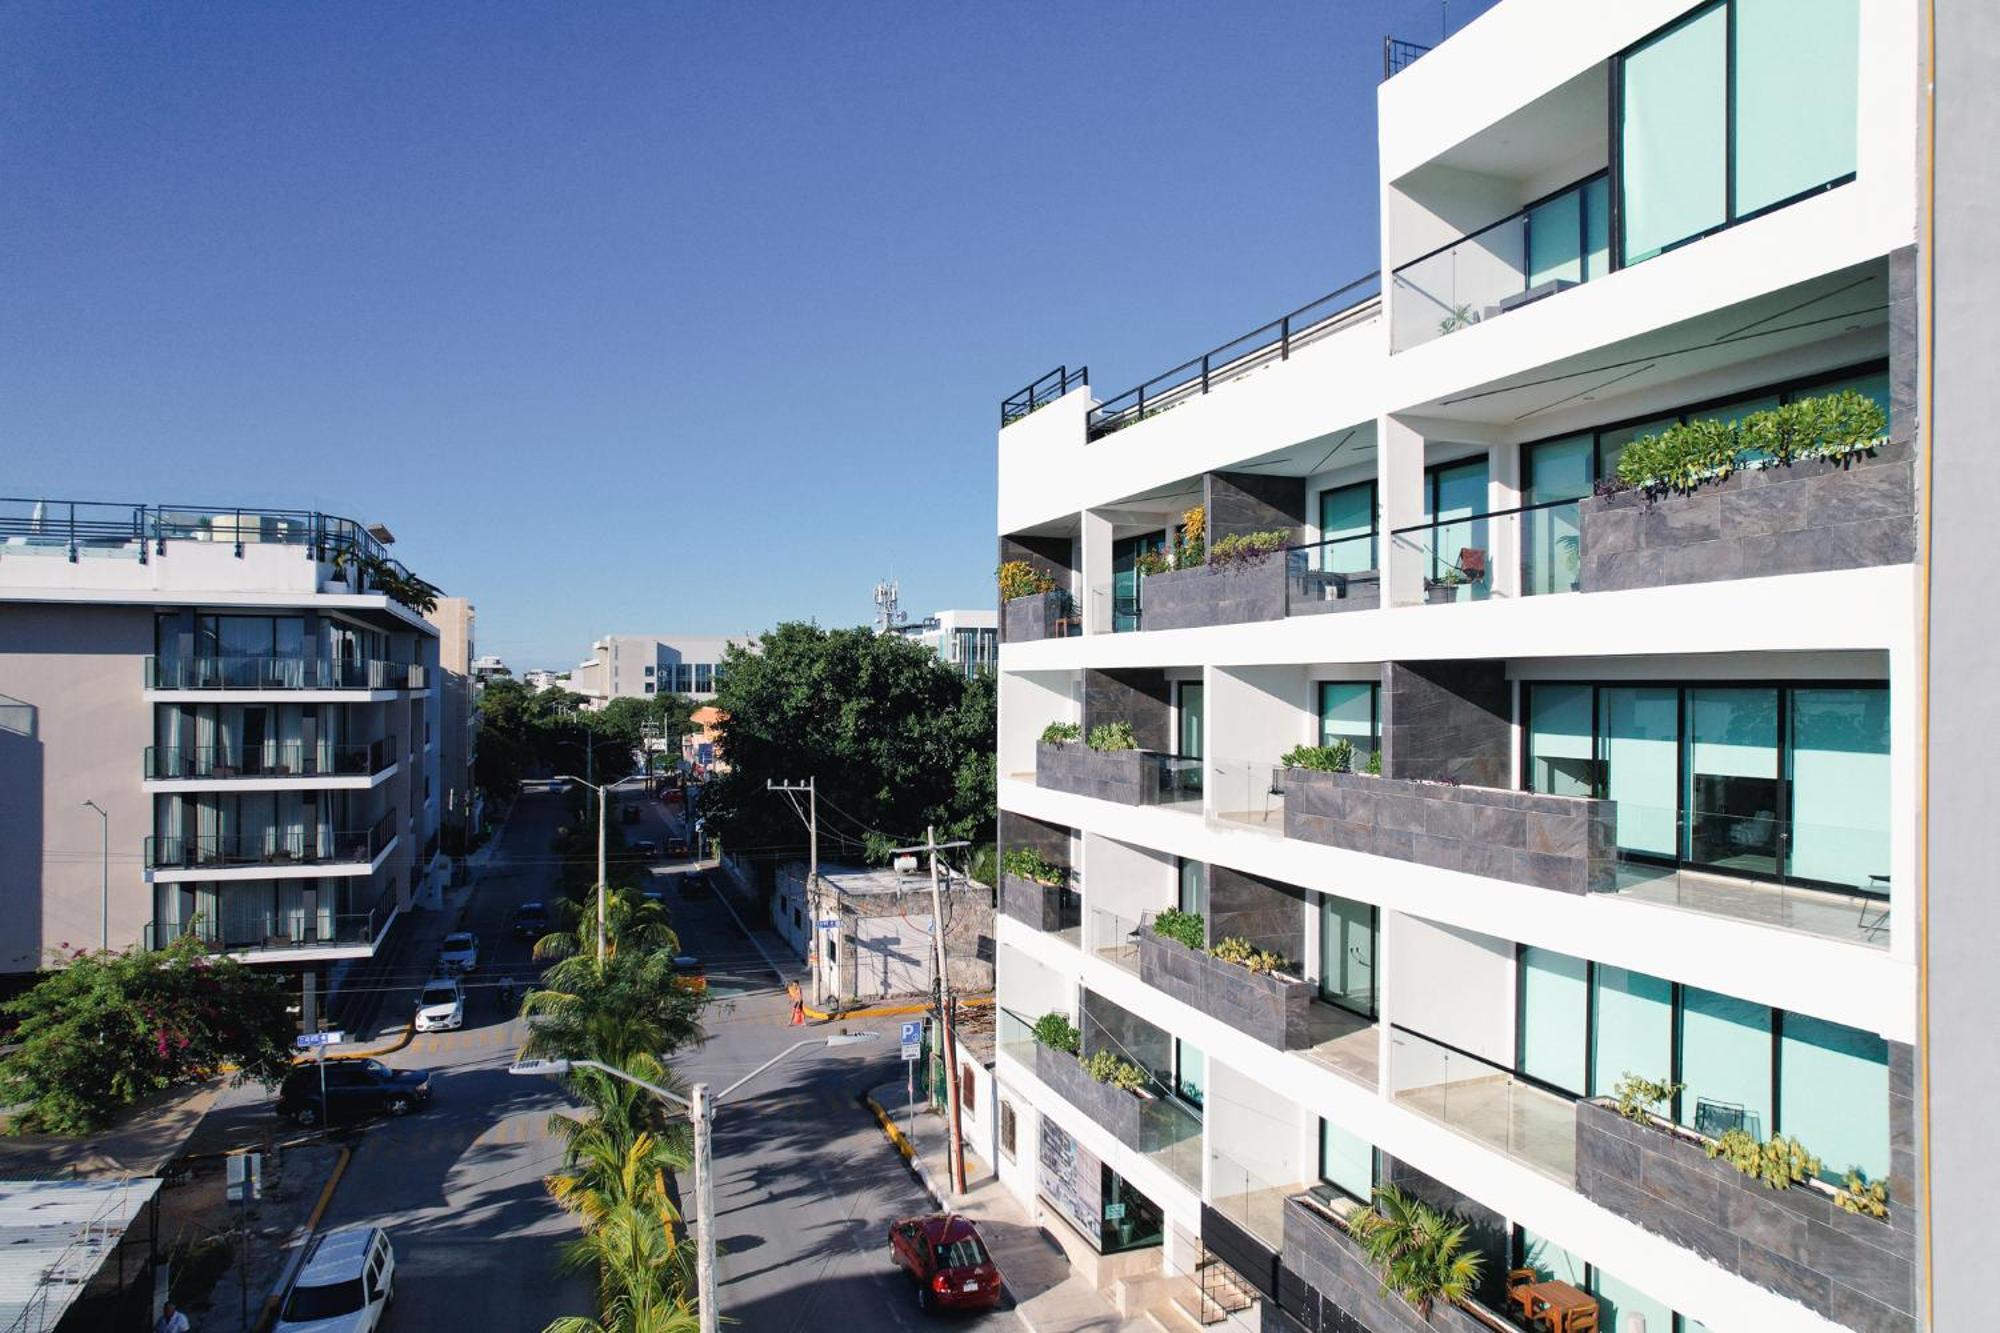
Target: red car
[{"x": 948, "y": 1260}]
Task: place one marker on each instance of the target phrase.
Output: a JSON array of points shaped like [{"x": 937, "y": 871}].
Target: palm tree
[
  {"x": 630, "y": 921},
  {"x": 1415, "y": 1249},
  {"x": 615, "y": 1181}
]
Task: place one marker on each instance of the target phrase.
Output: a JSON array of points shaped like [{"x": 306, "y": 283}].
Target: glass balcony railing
[
  {"x": 282, "y": 759},
  {"x": 1114, "y": 938},
  {"x": 1485, "y": 1102},
  {"x": 1556, "y": 243},
  {"x": 269, "y": 930},
  {"x": 1174, "y": 781},
  {"x": 1249, "y": 1198},
  {"x": 1248, "y": 793},
  {"x": 1318, "y": 574},
  {"x": 281, "y": 673},
  {"x": 1455, "y": 555},
  {"x": 269, "y": 847}
]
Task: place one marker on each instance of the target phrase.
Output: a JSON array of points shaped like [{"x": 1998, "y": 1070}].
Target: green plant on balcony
[
  {"x": 1335, "y": 758},
  {"x": 399, "y": 585},
  {"x": 1418, "y": 1252},
  {"x": 1055, "y": 1031},
  {"x": 1182, "y": 927},
  {"x": 1780, "y": 1163},
  {"x": 1121, "y": 1074},
  {"x": 1061, "y": 733},
  {"x": 1834, "y": 427},
  {"x": 1640, "y": 1099},
  {"x": 1375, "y": 763},
  {"x": 1461, "y": 317},
  {"x": 1027, "y": 863},
  {"x": 1111, "y": 736},
  {"x": 1018, "y": 578},
  {"x": 1864, "y": 1197},
  {"x": 1243, "y": 953},
  {"x": 1246, "y": 550}
]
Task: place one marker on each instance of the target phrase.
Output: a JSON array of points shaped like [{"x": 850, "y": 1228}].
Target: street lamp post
[
  {"x": 601, "y": 803},
  {"x": 700, "y": 1105},
  {"x": 104, "y": 938}
]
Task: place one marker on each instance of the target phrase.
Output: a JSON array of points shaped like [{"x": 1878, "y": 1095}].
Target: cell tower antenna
[{"x": 888, "y": 613}]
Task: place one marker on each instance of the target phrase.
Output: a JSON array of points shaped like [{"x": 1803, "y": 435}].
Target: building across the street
[
  {"x": 486, "y": 668},
  {"x": 543, "y": 679},
  {"x": 880, "y": 945},
  {"x": 460, "y": 676},
  {"x": 1496, "y": 751},
  {"x": 966, "y": 640},
  {"x": 633, "y": 666},
  {"x": 226, "y": 724}
]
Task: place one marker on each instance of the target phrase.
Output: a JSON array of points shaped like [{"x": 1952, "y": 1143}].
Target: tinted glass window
[
  {"x": 961, "y": 1254},
  {"x": 326, "y": 1302}
]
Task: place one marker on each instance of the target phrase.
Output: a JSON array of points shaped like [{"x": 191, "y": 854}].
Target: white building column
[
  {"x": 1095, "y": 595},
  {"x": 1399, "y": 487}
]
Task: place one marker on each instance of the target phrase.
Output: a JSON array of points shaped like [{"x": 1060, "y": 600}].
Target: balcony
[
  {"x": 1484, "y": 1102},
  {"x": 270, "y": 847},
  {"x": 283, "y": 759},
  {"x": 1053, "y": 909},
  {"x": 1043, "y": 615},
  {"x": 281, "y": 673},
  {"x": 1545, "y": 248},
  {"x": 1308, "y": 579},
  {"x": 1269, "y": 1007},
  {"x": 273, "y": 932},
  {"x": 1323, "y": 1268},
  {"x": 1128, "y": 777}
]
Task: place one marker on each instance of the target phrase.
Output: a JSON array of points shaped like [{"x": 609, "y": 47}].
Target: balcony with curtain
[{"x": 272, "y": 759}]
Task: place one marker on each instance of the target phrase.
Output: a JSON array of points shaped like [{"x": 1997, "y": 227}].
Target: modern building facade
[
  {"x": 227, "y": 726},
  {"x": 633, "y": 666},
  {"x": 968, "y": 641},
  {"x": 1612, "y": 767},
  {"x": 460, "y": 674}
]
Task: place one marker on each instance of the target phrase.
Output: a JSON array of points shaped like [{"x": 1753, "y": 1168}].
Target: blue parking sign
[{"x": 913, "y": 1032}]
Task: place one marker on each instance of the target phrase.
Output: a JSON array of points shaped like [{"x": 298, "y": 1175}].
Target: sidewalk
[{"x": 1048, "y": 1297}]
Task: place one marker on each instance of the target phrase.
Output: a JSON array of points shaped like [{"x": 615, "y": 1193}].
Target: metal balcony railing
[
  {"x": 281, "y": 673},
  {"x": 269, "y": 847},
  {"x": 1042, "y": 392},
  {"x": 273, "y": 759},
  {"x": 269, "y": 930}
]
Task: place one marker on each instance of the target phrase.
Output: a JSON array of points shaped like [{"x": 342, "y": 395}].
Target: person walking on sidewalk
[
  {"x": 171, "y": 1320},
  {"x": 798, "y": 1003}
]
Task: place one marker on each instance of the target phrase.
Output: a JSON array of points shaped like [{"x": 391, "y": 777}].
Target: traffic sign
[
  {"x": 831, "y": 923},
  {"x": 307, "y": 1040},
  {"x": 913, "y": 1031},
  {"x": 913, "y": 1051}
]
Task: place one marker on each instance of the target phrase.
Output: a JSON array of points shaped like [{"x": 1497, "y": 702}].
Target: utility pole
[
  {"x": 811, "y": 817},
  {"x": 933, "y": 846}
]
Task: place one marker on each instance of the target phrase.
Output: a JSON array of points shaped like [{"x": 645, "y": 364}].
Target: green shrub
[
  {"x": 1061, "y": 733},
  {"x": 1683, "y": 457},
  {"x": 1375, "y": 763},
  {"x": 1113, "y": 736},
  {"x": 1018, "y": 578},
  {"x": 1639, "y": 1099},
  {"x": 1185, "y": 927},
  {"x": 1863, "y": 1197},
  {"x": 1055, "y": 1031},
  {"x": 1108, "y": 1068},
  {"x": 1027, "y": 863},
  {"x": 1335, "y": 758},
  {"x": 1417, "y": 1251},
  {"x": 1243, "y": 953},
  {"x": 1780, "y": 1164},
  {"x": 1246, "y": 549}
]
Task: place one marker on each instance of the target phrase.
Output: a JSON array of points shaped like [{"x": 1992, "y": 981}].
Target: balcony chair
[{"x": 1472, "y": 563}]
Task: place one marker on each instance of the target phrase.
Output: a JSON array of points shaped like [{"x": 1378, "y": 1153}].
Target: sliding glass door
[
  {"x": 1347, "y": 954},
  {"x": 1640, "y": 730},
  {"x": 1347, "y": 526},
  {"x": 1125, "y": 580},
  {"x": 1733, "y": 811},
  {"x": 1455, "y": 503},
  {"x": 1559, "y": 472}
]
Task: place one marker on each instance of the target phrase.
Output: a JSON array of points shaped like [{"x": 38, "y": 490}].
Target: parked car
[
  {"x": 354, "y": 1088},
  {"x": 460, "y": 953},
  {"x": 346, "y": 1282},
  {"x": 689, "y": 974},
  {"x": 531, "y": 921},
  {"x": 676, "y": 845},
  {"x": 440, "y": 1006},
  {"x": 645, "y": 847},
  {"x": 948, "y": 1261}
]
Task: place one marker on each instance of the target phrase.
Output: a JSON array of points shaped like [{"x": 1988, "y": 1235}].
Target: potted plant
[{"x": 1112, "y": 736}]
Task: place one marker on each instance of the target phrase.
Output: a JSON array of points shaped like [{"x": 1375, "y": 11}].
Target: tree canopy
[
  {"x": 896, "y": 740},
  {"x": 524, "y": 732}
]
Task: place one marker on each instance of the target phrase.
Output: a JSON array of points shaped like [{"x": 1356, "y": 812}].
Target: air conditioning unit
[{"x": 906, "y": 865}]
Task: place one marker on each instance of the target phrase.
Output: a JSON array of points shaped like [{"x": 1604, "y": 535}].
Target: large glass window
[
  {"x": 1347, "y": 954},
  {"x": 1725, "y": 1063},
  {"x": 1347, "y": 713},
  {"x": 1555, "y": 1018},
  {"x": 1733, "y": 808},
  {"x": 1190, "y": 1073},
  {"x": 1797, "y": 79},
  {"x": 1562, "y": 754},
  {"x": 1634, "y": 1028},
  {"x": 1673, "y": 135},
  {"x": 1551, "y": 1262},
  {"x": 1833, "y": 1095},
  {"x": 1346, "y": 1161},
  {"x": 1455, "y": 502},
  {"x": 1559, "y": 472},
  {"x": 1618, "y": 1302},
  {"x": 1640, "y": 727},
  {"x": 1190, "y": 719},
  {"x": 1568, "y": 234},
  {"x": 1193, "y": 895},
  {"x": 1347, "y": 525},
  {"x": 1839, "y": 757}
]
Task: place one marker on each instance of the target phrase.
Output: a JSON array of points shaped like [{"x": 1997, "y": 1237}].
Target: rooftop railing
[
  {"x": 1236, "y": 358},
  {"x": 1398, "y": 55},
  {"x": 1042, "y": 392}
]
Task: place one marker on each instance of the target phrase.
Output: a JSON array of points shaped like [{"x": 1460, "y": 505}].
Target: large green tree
[
  {"x": 895, "y": 739},
  {"x": 101, "y": 1030},
  {"x": 524, "y": 732}
]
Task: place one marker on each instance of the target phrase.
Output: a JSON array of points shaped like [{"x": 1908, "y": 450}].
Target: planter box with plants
[
  {"x": 1565, "y": 843},
  {"x": 1105, "y": 1088},
  {"x": 1324, "y": 1269},
  {"x": 1239, "y": 580},
  {"x": 1041, "y": 615},
  {"x": 1831, "y": 493},
  {"x": 1036, "y": 892},
  {"x": 1753, "y": 1209},
  {"x": 1106, "y": 767},
  {"x": 1241, "y": 986}
]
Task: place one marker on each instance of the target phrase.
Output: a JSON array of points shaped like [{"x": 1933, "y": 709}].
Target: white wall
[
  {"x": 1125, "y": 880},
  {"x": 1454, "y": 986},
  {"x": 1029, "y": 701}
]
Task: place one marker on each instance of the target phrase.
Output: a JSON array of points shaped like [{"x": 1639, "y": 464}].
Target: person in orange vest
[{"x": 798, "y": 1003}]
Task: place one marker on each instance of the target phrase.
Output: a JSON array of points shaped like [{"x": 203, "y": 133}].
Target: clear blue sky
[{"x": 656, "y": 317}]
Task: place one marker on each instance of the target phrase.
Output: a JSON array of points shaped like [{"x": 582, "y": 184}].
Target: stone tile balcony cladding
[
  {"x": 1193, "y": 598},
  {"x": 1121, "y": 1113},
  {"x": 1798, "y": 519},
  {"x": 1565, "y": 843},
  {"x": 1039, "y": 616},
  {"x": 1322, "y": 1269},
  {"x": 1272, "y": 1009},
  {"x": 1107, "y": 775},
  {"x": 1031, "y": 904},
  {"x": 1859, "y": 1272}
]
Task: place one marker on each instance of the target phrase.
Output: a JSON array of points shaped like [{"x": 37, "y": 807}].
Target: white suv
[
  {"x": 347, "y": 1280},
  {"x": 440, "y": 1006}
]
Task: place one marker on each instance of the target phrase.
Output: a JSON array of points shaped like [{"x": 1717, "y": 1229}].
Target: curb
[
  {"x": 884, "y": 1011},
  {"x": 300, "y": 1241},
  {"x": 906, "y": 1148}
]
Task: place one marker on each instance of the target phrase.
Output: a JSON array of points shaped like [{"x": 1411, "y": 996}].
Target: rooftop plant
[
  {"x": 1183, "y": 927},
  {"x": 1061, "y": 733},
  {"x": 1688, "y": 455},
  {"x": 1335, "y": 758},
  {"x": 1018, "y": 578},
  {"x": 1417, "y": 1251},
  {"x": 1113, "y": 736}
]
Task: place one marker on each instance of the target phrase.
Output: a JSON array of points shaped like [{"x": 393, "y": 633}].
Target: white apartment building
[
  {"x": 633, "y": 666},
  {"x": 966, "y": 640},
  {"x": 1646, "y": 787},
  {"x": 460, "y": 676},
  {"x": 224, "y": 723}
]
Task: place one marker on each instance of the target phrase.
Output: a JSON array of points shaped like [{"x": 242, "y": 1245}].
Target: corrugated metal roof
[{"x": 54, "y": 1236}]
